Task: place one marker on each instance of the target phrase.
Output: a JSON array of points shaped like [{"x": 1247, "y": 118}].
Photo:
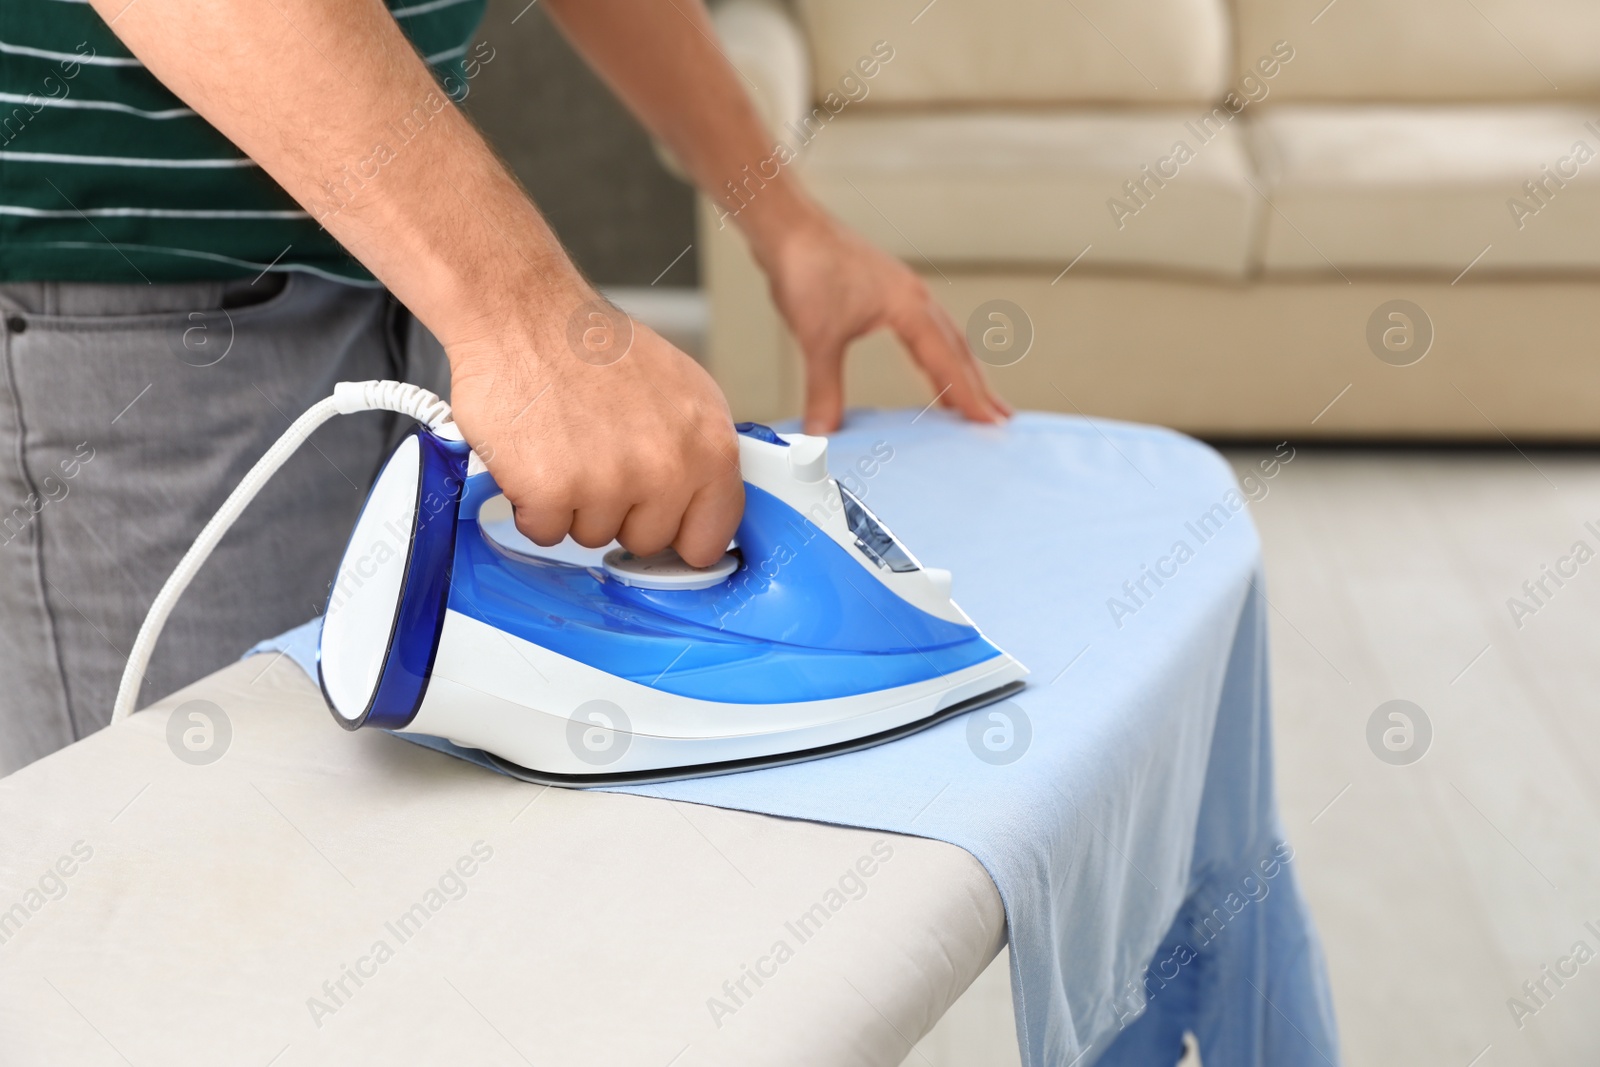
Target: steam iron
[{"x": 817, "y": 633}]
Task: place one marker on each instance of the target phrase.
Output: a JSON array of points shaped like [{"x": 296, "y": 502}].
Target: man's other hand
[{"x": 832, "y": 287}]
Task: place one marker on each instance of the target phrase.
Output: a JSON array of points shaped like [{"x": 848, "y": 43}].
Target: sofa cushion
[
  {"x": 1430, "y": 188},
  {"x": 1412, "y": 50},
  {"x": 1031, "y": 187},
  {"x": 982, "y": 51}
]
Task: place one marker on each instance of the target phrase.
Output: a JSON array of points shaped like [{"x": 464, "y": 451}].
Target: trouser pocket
[{"x": 121, "y": 432}]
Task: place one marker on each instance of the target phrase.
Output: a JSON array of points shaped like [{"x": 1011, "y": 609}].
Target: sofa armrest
[{"x": 765, "y": 45}]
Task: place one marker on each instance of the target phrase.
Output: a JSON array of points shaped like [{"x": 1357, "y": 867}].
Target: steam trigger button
[{"x": 808, "y": 457}]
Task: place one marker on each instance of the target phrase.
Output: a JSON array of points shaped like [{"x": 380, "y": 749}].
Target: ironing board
[
  {"x": 234, "y": 912},
  {"x": 299, "y": 898}
]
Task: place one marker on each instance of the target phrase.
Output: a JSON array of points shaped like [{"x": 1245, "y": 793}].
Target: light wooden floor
[{"x": 1441, "y": 886}]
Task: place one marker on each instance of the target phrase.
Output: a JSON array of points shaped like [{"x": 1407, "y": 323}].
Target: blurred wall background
[{"x": 587, "y": 163}]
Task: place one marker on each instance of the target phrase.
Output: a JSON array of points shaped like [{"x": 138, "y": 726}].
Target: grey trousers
[{"x": 127, "y": 414}]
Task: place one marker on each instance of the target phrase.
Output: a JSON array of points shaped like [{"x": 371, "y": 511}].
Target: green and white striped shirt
[{"x": 106, "y": 176}]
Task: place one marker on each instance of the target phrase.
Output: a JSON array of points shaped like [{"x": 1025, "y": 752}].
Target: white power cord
[{"x": 347, "y": 398}]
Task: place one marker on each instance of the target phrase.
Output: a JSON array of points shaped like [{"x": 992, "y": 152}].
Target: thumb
[{"x": 824, "y": 390}]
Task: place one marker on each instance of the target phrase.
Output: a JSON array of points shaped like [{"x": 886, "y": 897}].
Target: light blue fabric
[{"x": 1135, "y": 842}]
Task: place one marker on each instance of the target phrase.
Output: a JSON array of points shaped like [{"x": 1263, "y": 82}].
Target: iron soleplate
[{"x": 711, "y": 770}]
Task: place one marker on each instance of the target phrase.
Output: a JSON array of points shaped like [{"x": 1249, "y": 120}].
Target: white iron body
[{"x": 555, "y": 717}]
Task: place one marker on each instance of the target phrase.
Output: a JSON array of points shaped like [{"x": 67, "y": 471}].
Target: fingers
[
  {"x": 710, "y": 521},
  {"x": 651, "y": 526},
  {"x": 953, "y": 332},
  {"x": 645, "y": 529},
  {"x": 700, "y": 530},
  {"x": 544, "y": 526},
  {"x": 596, "y": 526},
  {"x": 824, "y": 389},
  {"x": 939, "y": 349}
]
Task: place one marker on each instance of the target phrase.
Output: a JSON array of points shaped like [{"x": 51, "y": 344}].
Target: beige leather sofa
[{"x": 1284, "y": 218}]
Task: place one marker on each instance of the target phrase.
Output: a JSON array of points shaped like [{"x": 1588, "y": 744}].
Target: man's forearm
[
  {"x": 314, "y": 91},
  {"x": 661, "y": 58}
]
